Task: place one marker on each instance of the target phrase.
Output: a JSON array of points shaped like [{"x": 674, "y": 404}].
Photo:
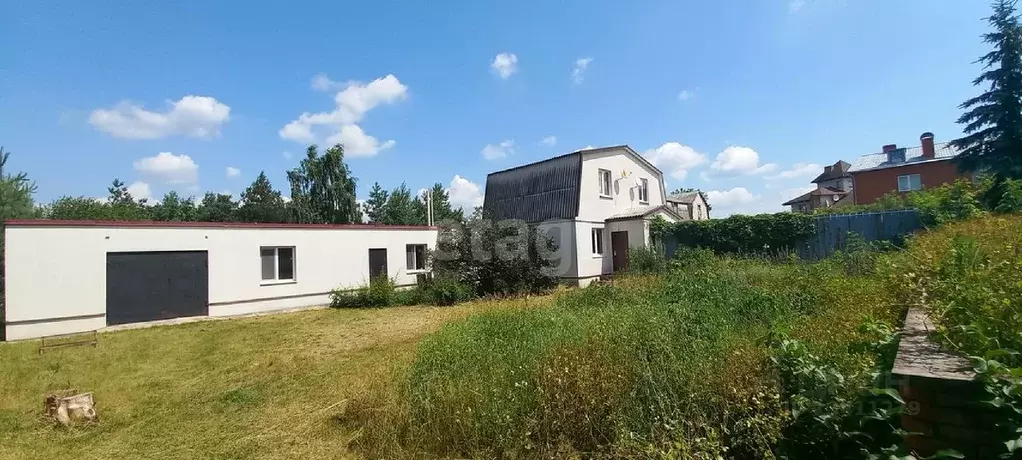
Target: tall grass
[{"x": 669, "y": 366}]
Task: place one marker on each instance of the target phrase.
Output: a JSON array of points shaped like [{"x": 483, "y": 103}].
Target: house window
[
  {"x": 643, "y": 191},
  {"x": 415, "y": 256},
  {"x": 597, "y": 241},
  {"x": 278, "y": 263},
  {"x": 605, "y": 183},
  {"x": 909, "y": 182}
]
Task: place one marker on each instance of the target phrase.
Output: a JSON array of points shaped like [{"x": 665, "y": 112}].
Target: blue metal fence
[{"x": 832, "y": 230}]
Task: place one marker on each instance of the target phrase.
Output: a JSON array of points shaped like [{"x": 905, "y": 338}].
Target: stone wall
[{"x": 942, "y": 396}]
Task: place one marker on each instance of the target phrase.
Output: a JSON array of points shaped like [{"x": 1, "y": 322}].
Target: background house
[
  {"x": 690, "y": 206},
  {"x": 904, "y": 169},
  {"x": 834, "y": 187},
  {"x": 595, "y": 204}
]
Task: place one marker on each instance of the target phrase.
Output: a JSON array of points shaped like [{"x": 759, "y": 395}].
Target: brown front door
[{"x": 619, "y": 248}]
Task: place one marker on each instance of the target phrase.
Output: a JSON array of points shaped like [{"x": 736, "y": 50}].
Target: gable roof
[
  {"x": 537, "y": 191},
  {"x": 837, "y": 171},
  {"x": 544, "y": 190},
  {"x": 914, "y": 155},
  {"x": 633, "y": 213},
  {"x": 686, "y": 198},
  {"x": 821, "y": 191}
]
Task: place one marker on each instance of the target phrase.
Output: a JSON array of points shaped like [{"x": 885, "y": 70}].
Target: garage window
[
  {"x": 278, "y": 263},
  {"x": 415, "y": 257}
]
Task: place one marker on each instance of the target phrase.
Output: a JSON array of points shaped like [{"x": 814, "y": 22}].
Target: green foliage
[
  {"x": 647, "y": 260},
  {"x": 443, "y": 212},
  {"x": 858, "y": 258},
  {"x": 376, "y": 205},
  {"x": 172, "y": 208},
  {"x": 447, "y": 290},
  {"x": 689, "y": 258},
  {"x": 741, "y": 234},
  {"x": 323, "y": 189},
  {"x": 401, "y": 209},
  {"x": 379, "y": 292},
  {"x": 217, "y": 207},
  {"x": 261, "y": 203},
  {"x": 1011, "y": 197},
  {"x": 671, "y": 366},
  {"x": 495, "y": 258},
  {"x": 937, "y": 205},
  {"x": 993, "y": 120},
  {"x": 383, "y": 292}
]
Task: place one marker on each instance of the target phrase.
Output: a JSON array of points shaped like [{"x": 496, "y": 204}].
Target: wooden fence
[{"x": 832, "y": 230}]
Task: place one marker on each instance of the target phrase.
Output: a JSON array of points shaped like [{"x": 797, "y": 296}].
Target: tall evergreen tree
[
  {"x": 16, "y": 192},
  {"x": 993, "y": 120},
  {"x": 261, "y": 203},
  {"x": 217, "y": 207},
  {"x": 376, "y": 205},
  {"x": 442, "y": 209},
  {"x": 400, "y": 209},
  {"x": 173, "y": 208},
  {"x": 123, "y": 206},
  {"x": 323, "y": 189}
]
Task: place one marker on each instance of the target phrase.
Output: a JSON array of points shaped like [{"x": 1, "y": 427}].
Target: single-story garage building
[{"x": 76, "y": 276}]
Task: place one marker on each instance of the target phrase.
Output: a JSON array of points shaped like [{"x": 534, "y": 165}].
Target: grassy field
[{"x": 261, "y": 387}]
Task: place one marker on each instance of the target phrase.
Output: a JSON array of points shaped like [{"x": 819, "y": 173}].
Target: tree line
[{"x": 323, "y": 191}]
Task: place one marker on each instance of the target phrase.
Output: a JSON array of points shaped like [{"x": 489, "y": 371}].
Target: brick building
[{"x": 904, "y": 169}]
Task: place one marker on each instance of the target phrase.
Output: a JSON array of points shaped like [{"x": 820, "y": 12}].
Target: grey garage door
[{"x": 146, "y": 286}]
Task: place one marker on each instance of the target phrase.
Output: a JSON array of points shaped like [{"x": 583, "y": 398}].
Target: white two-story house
[{"x": 595, "y": 204}]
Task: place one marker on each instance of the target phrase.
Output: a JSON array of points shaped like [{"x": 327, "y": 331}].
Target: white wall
[
  {"x": 625, "y": 195},
  {"x": 60, "y": 272},
  {"x": 562, "y": 232}
]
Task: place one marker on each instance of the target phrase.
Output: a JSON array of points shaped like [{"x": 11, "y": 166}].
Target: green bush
[
  {"x": 647, "y": 260},
  {"x": 446, "y": 290},
  {"x": 688, "y": 258},
  {"x": 409, "y": 296},
  {"x": 740, "y": 234},
  {"x": 1011, "y": 197},
  {"x": 380, "y": 292}
]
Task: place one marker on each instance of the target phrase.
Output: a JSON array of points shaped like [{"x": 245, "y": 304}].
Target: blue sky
[{"x": 744, "y": 99}]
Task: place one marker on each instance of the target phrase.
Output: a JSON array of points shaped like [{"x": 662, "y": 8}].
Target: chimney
[
  {"x": 889, "y": 147},
  {"x": 927, "y": 140}
]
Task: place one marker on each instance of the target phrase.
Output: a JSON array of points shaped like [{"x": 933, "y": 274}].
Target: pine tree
[
  {"x": 261, "y": 203},
  {"x": 376, "y": 204},
  {"x": 993, "y": 120},
  {"x": 400, "y": 209},
  {"x": 217, "y": 208},
  {"x": 442, "y": 209}
]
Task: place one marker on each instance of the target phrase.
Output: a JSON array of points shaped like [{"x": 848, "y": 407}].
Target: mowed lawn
[{"x": 258, "y": 387}]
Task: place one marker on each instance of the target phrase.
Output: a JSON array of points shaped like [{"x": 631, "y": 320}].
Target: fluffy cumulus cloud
[
  {"x": 578, "y": 72},
  {"x": 685, "y": 95},
  {"x": 798, "y": 170},
  {"x": 233, "y": 172},
  {"x": 741, "y": 161},
  {"x": 549, "y": 141},
  {"x": 352, "y": 102},
  {"x": 464, "y": 194},
  {"x": 169, "y": 168},
  {"x": 505, "y": 64},
  {"x": 193, "y": 116},
  {"x": 140, "y": 190},
  {"x": 498, "y": 151},
  {"x": 675, "y": 159}
]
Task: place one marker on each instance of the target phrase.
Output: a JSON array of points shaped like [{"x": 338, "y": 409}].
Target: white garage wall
[{"x": 56, "y": 275}]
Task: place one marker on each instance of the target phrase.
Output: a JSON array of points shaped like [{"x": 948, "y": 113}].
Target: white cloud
[
  {"x": 169, "y": 168},
  {"x": 581, "y": 65},
  {"x": 685, "y": 95},
  {"x": 140, "y": 190},
  {"x": 740, "y": 200},
  {"x": 357, "y": 143},
  {"x": 675, "y": 159},
  {"x": 549, "y": 141},
  {"x": 795, "y": 192},
  {"x": 464, "y": 194},
  {"x": 321, "y": 82},
  {"x": 737, "y": 160},
  {"x": 798, "y": 170},
  {"x": 287, "y": 155},
  {"x": 233, "y": 172},
  {"x": 352, "y": 104},
  {"x": 505, "y": 64},
  {"x": 498, "y": 151},
  {"x": 193, "y": 116},
  {"x": 794, "y": 6}
]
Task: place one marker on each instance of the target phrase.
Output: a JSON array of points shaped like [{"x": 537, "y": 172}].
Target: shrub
[
  {"x": 495, "y": 258},
  {"x": 647, "y": 260},
  {"x": 741, "y": 234},
  {"x": 686, "y": 258},
  {"x": 409, "y": 296},
  {"x": 446, "y": 290},
  {"x": 1011, "y": 197},
  {"x": 379, "y": 292}
]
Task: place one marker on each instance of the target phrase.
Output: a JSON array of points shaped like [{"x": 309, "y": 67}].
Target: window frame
[
  {"x": 609, "y": 183},
  {"x": 410, "y": 248},
  {"x": 643, "y": 190},
  {"x": 596, "y": 241},
  {"x": 908, "y": 180},
  {"x": 276, "y": 265}
]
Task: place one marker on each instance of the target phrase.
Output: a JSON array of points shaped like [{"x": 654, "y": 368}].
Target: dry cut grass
[{"x": 255, "y": 388}]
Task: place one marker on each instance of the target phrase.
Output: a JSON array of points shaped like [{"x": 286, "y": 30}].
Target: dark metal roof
[
  {"x": 535, "y": 192},
  {"x": 837, "y": 171}
]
